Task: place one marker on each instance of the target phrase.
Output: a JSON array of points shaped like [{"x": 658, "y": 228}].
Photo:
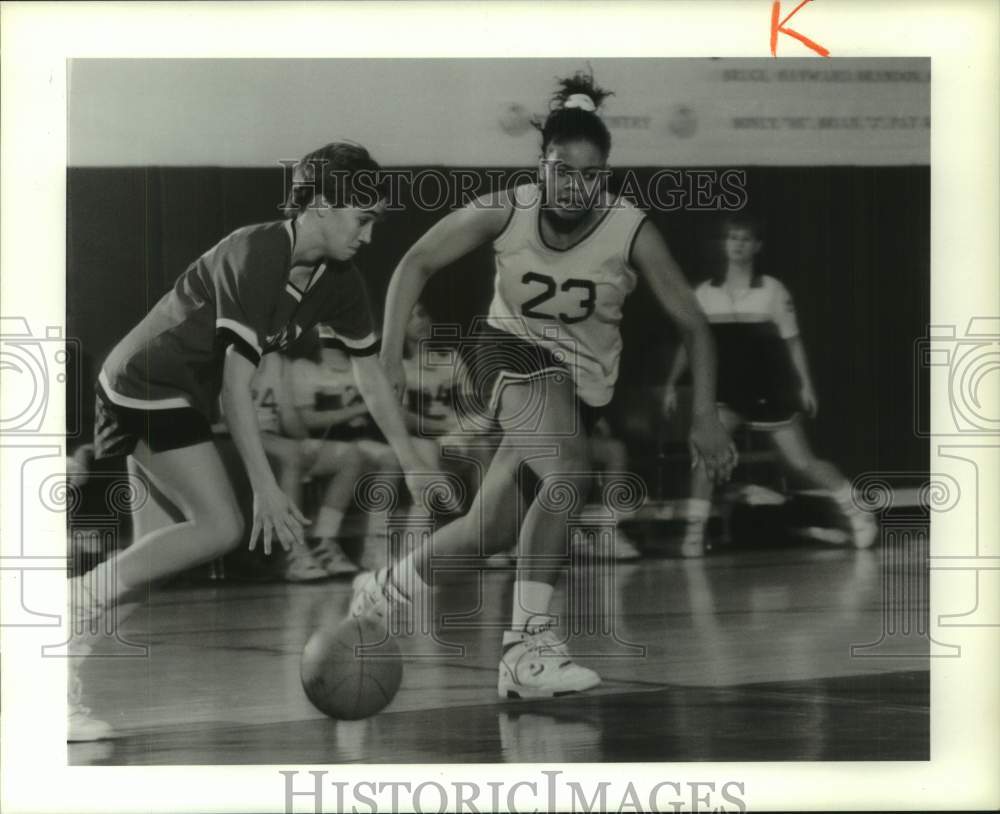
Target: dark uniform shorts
[
  {"x": 496, "y": 359},
  {"x": 118, "y": 429}
]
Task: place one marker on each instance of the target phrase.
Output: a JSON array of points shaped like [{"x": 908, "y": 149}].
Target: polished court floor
[{"x": 798, "y": 653}]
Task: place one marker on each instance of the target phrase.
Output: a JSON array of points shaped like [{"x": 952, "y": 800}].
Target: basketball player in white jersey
[
  {"x": 764, "y": 378},
  {"x": 567, "y": 255}
]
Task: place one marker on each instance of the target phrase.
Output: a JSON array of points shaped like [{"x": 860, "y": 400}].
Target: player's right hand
[
  {"x": 275, "y": 515},
  {"x": 712, "y": 447}
]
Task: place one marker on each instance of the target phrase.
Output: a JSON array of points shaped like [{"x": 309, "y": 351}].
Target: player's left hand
[
  {"x": 276, "y": 516},
  {"x": 809, "y": 401},
  {"x": 711, "y": 445}
]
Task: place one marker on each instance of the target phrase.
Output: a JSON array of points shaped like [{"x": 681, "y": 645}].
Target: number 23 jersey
[{"x": 568, "y": 301}]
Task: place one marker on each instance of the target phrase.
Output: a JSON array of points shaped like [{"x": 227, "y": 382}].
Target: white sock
[
  {"x": 697, "y": 518},
  {"x": 845, "y": 499},
  {"x": 531, "y": 599},
  {"x": 699, "y": 509},
  {"x": 327, "y": 523}
]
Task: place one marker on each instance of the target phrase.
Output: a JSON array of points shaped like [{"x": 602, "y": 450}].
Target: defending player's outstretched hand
[
  {"x": 712, "y": 446},
  {"x": 274, "y": 514}
]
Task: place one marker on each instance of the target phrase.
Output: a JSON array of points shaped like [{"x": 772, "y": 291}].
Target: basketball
[{"x": 343, "y": 683}]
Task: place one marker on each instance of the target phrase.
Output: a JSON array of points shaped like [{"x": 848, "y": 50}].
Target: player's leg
[
  {"x": 194, "y": 479},
  {"x": 490, "y": 525},
  {"x": 534, "y": 661},
  {"x": 609, "y": 454},
  {"x": 792, "y": 445},
  {"x": 700, "y": 502},
  {"x": 379, "y": 459},
  {"x": 341, "y": 463},
  {"x": 287, "y": 463}
]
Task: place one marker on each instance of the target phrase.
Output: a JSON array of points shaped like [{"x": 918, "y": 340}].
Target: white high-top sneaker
[
  {"x": 536, "y": 664},
  {"x": 864, "y": 529},
  {"x": 375, "y": 596},
  {"x": 82, "y": 727},
  {"x": 331, "y": 557}
]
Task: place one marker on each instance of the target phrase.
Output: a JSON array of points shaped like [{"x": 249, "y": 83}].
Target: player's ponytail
[{"x": 574, "y": 114}]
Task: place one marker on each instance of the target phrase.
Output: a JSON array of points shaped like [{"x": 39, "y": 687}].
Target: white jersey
[
  {"x": 432, "y": 384},
  {"x": 265, "y": 390},
  {"x": 321, "y": 386},
  {"x": 768, "y": 302},
  {"x": 569, "y": 301}
]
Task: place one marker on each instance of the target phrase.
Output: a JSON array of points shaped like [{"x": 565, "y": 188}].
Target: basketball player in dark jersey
[{"x": 253, "y": 293}]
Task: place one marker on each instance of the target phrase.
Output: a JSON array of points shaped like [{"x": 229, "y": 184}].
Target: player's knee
[{"x": 224, "y": 529}]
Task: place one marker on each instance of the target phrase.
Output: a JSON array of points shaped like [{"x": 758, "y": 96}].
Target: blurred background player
[
  {"x": 327, "y": 398},
  {"x": 251, "y": 294},
  {"x": 437, "y": 387},
  {"x": 567, "y": 254},
  {"x": 764, "y": 380},
  {"x": 609, "y": 454},
  {"x": 297, "y": 460}
]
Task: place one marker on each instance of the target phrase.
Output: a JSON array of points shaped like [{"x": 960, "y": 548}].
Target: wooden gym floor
[{"x": 737, "y": 657}]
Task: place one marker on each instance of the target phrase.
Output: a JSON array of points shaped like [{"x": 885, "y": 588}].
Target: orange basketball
[{"x": 352, "y": 670}]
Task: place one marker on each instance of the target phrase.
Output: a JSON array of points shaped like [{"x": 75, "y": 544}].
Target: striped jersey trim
[
  {"x": 242, "y": 331},
  {"x": 172, "y": 403},
  {"x": 506, "y": 377},
  {"x": 356, "y": 344}
]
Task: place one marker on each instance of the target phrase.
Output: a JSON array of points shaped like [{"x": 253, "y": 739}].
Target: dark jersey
[
  {"x": 236, "y": 297},
  {"x": 751, "y": 329}
]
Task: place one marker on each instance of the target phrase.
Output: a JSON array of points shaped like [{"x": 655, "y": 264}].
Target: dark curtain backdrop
[{"x": 851, "y": 243}]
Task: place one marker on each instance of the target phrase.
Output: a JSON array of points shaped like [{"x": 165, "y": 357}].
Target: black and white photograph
[{"x": 531, "y": 411}]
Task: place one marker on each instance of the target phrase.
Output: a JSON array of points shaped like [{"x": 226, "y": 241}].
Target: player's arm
[
  {"x": 292, "y": 424},
  {"x": 709, "y": 440},
  {"x": 388, "y": 414},
  {"x": 797, "y": 352},
  {"x": 452, "y": 237},
  {"x": 677, "y": 368},
  {"x": 274, "y": 513},
  {"x": 783, "y": 313}
]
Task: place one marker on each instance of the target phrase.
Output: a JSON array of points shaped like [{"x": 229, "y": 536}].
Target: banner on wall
[{"x": 480, "y": 112}]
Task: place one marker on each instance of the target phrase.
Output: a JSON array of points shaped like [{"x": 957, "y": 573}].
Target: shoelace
[{"x": 544, "y": 642}]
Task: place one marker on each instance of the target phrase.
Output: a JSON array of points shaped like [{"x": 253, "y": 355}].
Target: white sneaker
[
  {"x": 374, "y": 596},
  {"x": 864, "y": 529},
  {"x": 625, "y": 548},
  {"x": 82, "y": 727},
  {"x": 536, "y": 664},
  {"x": 301, "y": 566},
  {"x": 693, "y": 544},
  {"x": 331, "y": 557}
]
